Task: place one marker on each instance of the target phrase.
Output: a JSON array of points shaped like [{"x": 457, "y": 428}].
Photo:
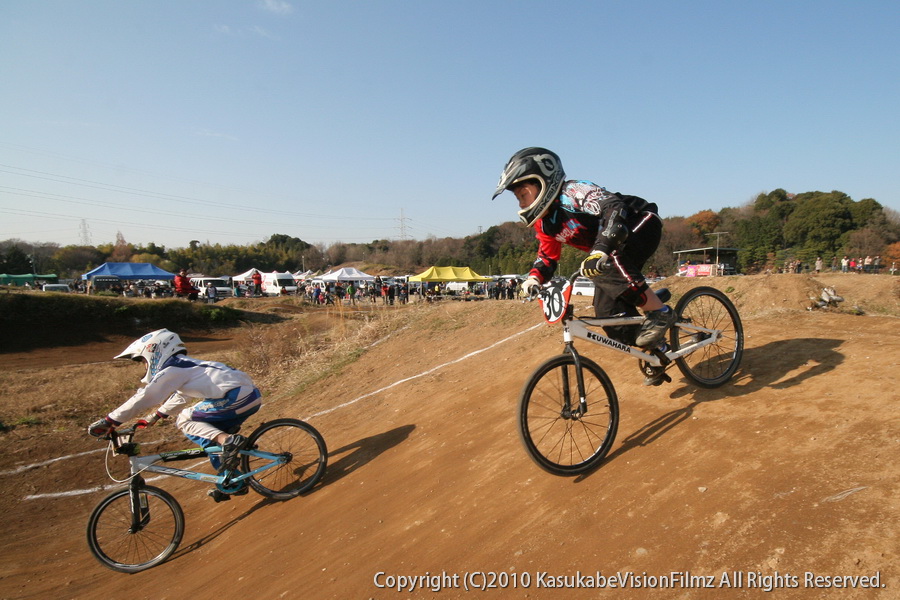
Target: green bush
[{"x": 34, "y": 320}]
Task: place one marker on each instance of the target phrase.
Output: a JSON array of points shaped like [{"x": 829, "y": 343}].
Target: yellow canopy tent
[{"x": 448, "y": 274}]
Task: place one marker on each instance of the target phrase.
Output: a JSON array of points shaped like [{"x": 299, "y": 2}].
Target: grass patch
[{"x": 37, "y": 320}]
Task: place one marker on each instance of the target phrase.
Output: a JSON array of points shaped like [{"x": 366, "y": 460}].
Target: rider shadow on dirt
[
  {"x": 361, "y": 453},
  {"x": 184, "y": 550},
  {"x": 779, "y": 365}
]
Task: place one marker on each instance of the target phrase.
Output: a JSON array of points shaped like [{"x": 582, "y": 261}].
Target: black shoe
[
  {"x": 218, "y": 496},
  {"x": 231, "y": 457},
  {"x": 656, "y": 379},
  {"x": 654, "y": 327}
]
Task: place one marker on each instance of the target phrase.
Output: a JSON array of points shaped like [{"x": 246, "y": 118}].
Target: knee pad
[{"x": 636, "y": 294}]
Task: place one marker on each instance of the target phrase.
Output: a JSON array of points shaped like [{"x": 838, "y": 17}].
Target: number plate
[{"x": 555, "y": 301}]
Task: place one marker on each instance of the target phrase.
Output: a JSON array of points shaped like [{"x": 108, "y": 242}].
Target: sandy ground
[{"x": 786, "y": 474}]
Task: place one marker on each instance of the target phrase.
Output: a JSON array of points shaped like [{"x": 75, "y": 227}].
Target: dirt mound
[
  {"x": 760, "y": 295},
  {"x": 781, "y": 476}
]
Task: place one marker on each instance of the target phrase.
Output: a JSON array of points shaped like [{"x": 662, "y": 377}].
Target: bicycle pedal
[{"x": 657, "y": 379}]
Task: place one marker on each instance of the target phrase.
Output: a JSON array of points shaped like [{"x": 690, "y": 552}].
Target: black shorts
[{"x": 621, "y": 285}]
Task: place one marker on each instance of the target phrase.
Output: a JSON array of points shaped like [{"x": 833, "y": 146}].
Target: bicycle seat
[{"x": 664, "y": 294}]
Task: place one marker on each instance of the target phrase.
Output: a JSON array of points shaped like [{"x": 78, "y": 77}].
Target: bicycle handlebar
[
  {"x": 546, "y": 286},
  {"x": 119, "y": 437}
]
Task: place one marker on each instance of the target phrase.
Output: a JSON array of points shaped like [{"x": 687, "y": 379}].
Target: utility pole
[{"x": 718, "y": 235}]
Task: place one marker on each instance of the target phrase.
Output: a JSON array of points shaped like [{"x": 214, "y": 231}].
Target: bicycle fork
[
  {"x": 567, "y": 410},
  {"x": 140, "y": 506}
]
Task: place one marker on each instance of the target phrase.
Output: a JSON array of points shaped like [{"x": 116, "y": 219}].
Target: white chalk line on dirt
[
  {"x": 422, "y": 374},
  {"x": 318, "y": 414},
  {"x": 844, "y": 494}
]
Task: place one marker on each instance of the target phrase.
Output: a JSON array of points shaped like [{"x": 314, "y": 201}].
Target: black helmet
[{"x": 538, "y": 164}]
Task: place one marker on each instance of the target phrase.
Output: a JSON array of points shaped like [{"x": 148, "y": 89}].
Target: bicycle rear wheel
[
  {"x": 557, "y": 436},
  {"x": 709, "y": 308},
  {"x": 119, "y": 545},
  {"x": 302, "y": 446}
]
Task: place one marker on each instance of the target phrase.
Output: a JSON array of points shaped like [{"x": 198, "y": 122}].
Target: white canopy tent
[
  {"x": 246, "y": 276},
  {"x": 346, "y": 274}
]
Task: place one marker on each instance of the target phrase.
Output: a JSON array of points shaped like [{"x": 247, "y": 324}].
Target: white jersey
[{"x": 183, "y": 380}]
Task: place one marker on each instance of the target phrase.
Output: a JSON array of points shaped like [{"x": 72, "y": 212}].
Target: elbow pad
[{"x": 615, "y": 232}]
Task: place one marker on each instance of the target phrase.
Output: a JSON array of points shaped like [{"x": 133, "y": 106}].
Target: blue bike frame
[{"x": 148, "y": 464}]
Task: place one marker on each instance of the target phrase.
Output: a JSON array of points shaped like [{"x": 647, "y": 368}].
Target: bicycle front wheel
[
  {"x": 709, "y": 309},
  {"x": 562, "y": 436},
  {"x": 126, "y": 544},
  {"x": 304, "y": 450}
]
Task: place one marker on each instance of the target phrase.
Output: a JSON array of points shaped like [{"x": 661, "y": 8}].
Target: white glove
[{"x": 531, "y": 286}]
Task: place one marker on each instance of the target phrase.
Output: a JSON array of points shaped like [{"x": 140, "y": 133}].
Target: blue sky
[{"x": 228, "y": 121}]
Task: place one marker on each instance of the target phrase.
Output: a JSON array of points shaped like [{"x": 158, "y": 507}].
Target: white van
[
  {"x": 583, "y": 287},
  {"x": 223, "y": 289},
  {"x": 457, "y": 287},
  {"x": 56, "y": 287},
  {"x": 273, "y": 282}
]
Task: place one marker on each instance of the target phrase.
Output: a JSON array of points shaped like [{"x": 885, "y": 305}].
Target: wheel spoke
[{"x": 558, "y": 440}]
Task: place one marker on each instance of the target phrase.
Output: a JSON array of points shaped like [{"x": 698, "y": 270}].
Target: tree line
[{"x": 770, "y": 231}]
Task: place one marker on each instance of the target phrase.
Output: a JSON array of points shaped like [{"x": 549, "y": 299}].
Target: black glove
[
  {"x": 593, "y": 265},
  {"x": 102, "y": 427}
]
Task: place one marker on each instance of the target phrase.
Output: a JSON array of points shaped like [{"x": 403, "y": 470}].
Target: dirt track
[{"x": 791, "y": 469}]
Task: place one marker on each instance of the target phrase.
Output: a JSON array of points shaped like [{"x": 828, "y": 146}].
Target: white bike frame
[
  {"x": 577, "y": 327},
  {"x": 555, "y": 303}
]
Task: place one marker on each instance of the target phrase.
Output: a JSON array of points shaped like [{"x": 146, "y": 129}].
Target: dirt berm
[{"x": 783, "y": 483}]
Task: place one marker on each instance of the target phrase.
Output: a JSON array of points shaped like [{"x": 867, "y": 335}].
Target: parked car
[
  {"x": 272, "y": 284},
  {"x": 56, "y": 287},
  {"x": 223, "y": 288},
  {"x": 583, "y": 287}
]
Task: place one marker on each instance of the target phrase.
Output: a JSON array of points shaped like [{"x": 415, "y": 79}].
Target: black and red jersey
[{"x": 578, "y": 218}]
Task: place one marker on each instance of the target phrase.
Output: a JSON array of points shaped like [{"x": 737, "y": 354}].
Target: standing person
[
  {"x": 845, "y": 264},
  {"x": 183, "y": 286},
  {"x": 256, "y": 278},
  {"x": 619, "y": 233},
  {"x": 818, "y": 265},
  {"x": 210, "y": 293},
  {"x": 223, "y": 398}
]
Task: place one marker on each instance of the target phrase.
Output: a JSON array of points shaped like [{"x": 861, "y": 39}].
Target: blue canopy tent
[{"x": 128, "y": 271}]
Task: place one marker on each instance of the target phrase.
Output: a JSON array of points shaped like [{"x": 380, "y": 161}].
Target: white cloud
[
  {"x": 279, "y": 7},
  {"x": 263, "y": 33},
  {"x": 223, "y": 29}
]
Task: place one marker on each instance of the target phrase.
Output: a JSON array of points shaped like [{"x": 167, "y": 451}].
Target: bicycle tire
[
  {"x": 567, "y": 445},
  {"x": 112, "y": 542},
  {"x": 715, "y": 364},
  {"x": 308, "y": 457}
]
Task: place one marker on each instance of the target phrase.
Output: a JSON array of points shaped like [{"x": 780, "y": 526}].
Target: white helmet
[{"x": 155, "y": 348}]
